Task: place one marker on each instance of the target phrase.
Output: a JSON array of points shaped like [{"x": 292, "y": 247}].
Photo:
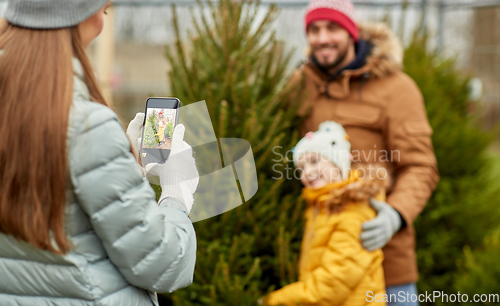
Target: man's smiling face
[{"x": 329, "y": 43}]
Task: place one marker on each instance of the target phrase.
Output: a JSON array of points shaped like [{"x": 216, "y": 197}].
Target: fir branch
[
  {"x": 251, "y": 272},
  {"x": 223, "y": 119},
  {"x": 270, "y": 132}
]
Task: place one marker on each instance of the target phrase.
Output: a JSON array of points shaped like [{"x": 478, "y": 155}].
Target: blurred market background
[
  {"x": 466, "y": 30},
  {"x": 452, "y": 51},
  {"x": 130, "y": 57},
  {"x": 131, "y": 53}
]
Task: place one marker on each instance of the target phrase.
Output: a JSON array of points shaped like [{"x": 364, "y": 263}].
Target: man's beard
[{"x": 338, "y": 61}]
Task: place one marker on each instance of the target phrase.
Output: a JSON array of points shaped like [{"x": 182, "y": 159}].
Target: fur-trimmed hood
[
  {"x": 387, "y": 53},
  {"x": 363, "y": 183}
]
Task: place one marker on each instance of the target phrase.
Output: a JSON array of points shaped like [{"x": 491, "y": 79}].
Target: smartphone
[{"x": 162, "y": 115}]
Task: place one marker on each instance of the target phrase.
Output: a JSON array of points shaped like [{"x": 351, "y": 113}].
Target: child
[
  {"x": 334, "y": 269},
  {"x": 161, "y": 128}
]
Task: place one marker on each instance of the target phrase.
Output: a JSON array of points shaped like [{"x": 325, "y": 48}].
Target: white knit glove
[
  {"x": 179, "y": 176},
  {"x": 134, "y": 131},
  {"x": 377, "y": 232}
]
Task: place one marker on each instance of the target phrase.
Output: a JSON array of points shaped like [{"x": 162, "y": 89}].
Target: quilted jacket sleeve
[
  {"x": 343, "y": 266},
  {"x": 153, "y": 247}
]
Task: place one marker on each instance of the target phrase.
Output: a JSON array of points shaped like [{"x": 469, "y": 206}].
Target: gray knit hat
[{"x": 50, "y": 14}]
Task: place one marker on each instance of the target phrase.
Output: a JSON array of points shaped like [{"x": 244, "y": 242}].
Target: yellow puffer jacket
[{"x": 334, "y": 268}]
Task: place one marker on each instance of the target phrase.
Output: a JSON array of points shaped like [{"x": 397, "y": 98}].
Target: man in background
[{"x": 354, "y": 76}]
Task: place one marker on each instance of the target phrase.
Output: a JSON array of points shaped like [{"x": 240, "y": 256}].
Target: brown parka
[{"x": 383, "y": 112}]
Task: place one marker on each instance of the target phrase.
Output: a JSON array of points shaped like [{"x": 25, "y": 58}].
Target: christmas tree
[
  {"x": 238, "y": 67},
  {"x": 464, "y": 209},
  {"x": 151, "y": 139},
  {"x": 169, "y": 130}
]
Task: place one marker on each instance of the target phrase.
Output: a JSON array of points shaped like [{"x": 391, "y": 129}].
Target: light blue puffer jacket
[{"x": 125, "y": 247}]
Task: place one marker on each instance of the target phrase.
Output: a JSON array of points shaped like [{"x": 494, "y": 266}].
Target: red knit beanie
[{"x": 338, "y": 11}]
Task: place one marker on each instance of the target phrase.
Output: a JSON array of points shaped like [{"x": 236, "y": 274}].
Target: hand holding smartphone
[{"x": 162, "y": 115}]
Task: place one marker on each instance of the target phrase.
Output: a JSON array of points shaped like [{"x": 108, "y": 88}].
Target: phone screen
[
  {"x": 159, "y": 128},
  {"x": 161, "y": 118}
]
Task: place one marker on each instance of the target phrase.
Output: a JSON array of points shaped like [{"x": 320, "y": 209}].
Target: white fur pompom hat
[{"x": 331, "y": 141}]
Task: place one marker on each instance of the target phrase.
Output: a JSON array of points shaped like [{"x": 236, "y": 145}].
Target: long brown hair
[{"x": 36, "y": 90}]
